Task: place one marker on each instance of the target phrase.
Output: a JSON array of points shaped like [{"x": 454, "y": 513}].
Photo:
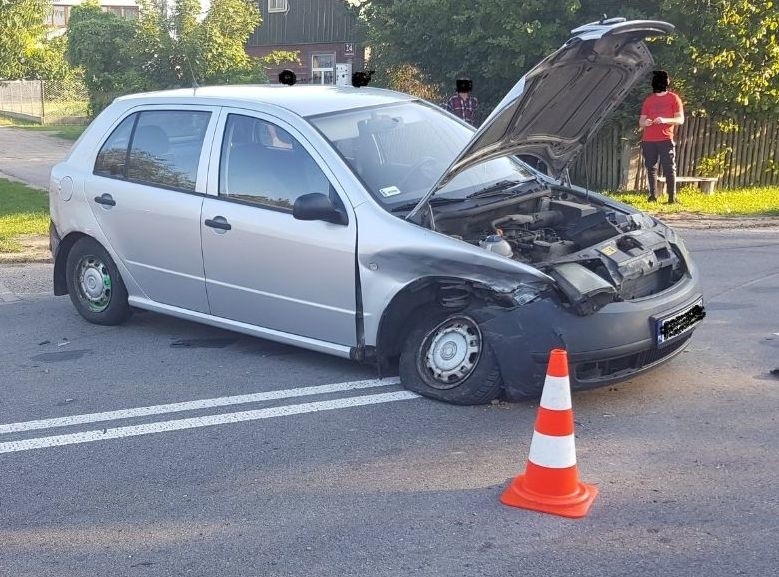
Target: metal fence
[{"x": 45, "y": 101}]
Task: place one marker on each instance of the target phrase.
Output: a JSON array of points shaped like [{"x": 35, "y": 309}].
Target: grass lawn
[
  {"x": 23, "y": 210},
  {"x": 758, "y": 201},
  {"x": 70, "y": 132}
]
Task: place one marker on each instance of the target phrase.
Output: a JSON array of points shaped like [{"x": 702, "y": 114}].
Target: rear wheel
[
  {"x": 446, "y": 357},
  {"x": 94, "y": 284}
]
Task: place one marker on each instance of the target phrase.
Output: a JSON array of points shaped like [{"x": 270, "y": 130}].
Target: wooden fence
[{"x": 612, "y": 159}]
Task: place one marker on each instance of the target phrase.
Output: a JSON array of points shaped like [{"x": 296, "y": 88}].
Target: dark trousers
[{"x": 665, "y": 152}]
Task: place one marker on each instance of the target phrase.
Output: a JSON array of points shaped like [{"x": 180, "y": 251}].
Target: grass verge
[
  {"x": 758, "y": 201},
  {"x": 67, "y": 131},
  {"x": 23, "y": 211}
]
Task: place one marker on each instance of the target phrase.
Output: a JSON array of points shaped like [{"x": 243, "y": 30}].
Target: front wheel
[
  {"x": 95, "y": 286},
  {"x": 447, "y": 358}
]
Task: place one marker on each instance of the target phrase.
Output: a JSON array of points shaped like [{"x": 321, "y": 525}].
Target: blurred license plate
[{"x": 670, "y": 327}]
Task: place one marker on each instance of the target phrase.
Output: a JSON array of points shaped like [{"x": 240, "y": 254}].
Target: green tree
[
  {"x": 101, "y": 43},
  {"x": 166, "y": 47},
  {"x": 728, "y": 54},
  {"x": 226, "y": 28},
  {"x": 723, "y": 58},
  {"x": 22, "y": 38},
  {"x": 178, "y": 49}
]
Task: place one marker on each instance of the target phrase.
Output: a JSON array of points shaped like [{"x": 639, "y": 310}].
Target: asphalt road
[
  {"x": 685, "y": 457},
  {"x": 28, "y": 156}
]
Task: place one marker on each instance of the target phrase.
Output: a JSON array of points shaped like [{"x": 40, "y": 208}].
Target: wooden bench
[{"x": 705, "y": 183}]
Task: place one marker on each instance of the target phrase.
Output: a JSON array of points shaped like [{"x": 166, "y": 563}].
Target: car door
[
  {"x": 146, "y": 192},
  {"x": 263, "y": 266}
]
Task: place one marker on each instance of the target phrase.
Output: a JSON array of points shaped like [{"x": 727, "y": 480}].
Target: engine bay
[
  {"x": 539, "y": 227},
  {"x": 580, "y": 242}
]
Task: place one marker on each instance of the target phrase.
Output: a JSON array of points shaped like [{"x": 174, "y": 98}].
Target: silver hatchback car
[{"x": 372, "y": 225}]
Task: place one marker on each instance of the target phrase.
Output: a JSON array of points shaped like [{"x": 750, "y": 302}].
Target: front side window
[
  {"x": 323, "y": 69},
  {"x": 156, "y": 147},
  {"x": 263, "y": 164},
  {"x": 277, "y": 5}
]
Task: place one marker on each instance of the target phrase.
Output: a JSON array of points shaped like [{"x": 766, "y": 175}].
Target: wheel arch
[
  {"x": 454, "y": 294},
  {"x": 60, "y": 276}
]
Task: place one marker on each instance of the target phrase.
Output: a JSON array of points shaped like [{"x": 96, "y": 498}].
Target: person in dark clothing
[{"x": 661, "y": 112}]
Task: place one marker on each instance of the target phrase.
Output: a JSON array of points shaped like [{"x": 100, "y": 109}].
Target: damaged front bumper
[{"x": 613, "y": 344}]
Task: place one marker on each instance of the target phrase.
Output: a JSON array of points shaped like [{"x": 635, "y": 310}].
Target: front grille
[
  {"x": 647, "y": 284},
  {"x": 607, "y": 368}
]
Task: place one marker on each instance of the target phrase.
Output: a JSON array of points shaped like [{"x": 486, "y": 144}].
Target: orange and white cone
[{"x": 551, "y": 480}]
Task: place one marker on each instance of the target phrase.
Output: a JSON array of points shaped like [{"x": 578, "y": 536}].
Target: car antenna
[{"x": 195, "y": 85}]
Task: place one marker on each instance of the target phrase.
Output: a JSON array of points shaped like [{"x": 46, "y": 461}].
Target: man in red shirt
[{"x": 661, "y": 113}]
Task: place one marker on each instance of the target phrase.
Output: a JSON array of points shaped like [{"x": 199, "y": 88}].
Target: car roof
[{"x": 307, "y": 100}]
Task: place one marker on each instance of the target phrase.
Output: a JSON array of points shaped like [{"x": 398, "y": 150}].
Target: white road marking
[
  {"x": 194, "y": 405},
  {"x": 206, "y": 421}
]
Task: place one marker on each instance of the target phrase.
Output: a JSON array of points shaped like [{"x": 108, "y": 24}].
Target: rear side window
[
  {"x": 162, "y": 149},
  {"x": 112, "y": 158}
]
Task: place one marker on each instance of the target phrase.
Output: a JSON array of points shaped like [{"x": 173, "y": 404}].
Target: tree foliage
[
  {"x": 724, "y": 57},
  {"x": 729, "y": 52},
  {"x": 24, "y": 52},
  {"x": 101, "y": 43},
  {"x": 179, "y": 48},
  {"x": 170, "y": 45}
]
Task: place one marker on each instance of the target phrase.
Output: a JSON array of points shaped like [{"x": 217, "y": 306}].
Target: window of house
[
  {"x": 59, "y": 16},
  {"x": 263, "y": 164},
  {"x": 164, "y": 148},
  {"x": 323, "y": 69},
  {"x": 277, "y": 5}
]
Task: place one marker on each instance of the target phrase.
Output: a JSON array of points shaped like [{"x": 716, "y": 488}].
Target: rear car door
[
  {"x": 146, "y": 192},
  {"x": 263, "y": 266}
]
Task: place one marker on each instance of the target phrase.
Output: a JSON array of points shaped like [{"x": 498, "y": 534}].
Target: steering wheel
[{"x": 426, "y": 162}]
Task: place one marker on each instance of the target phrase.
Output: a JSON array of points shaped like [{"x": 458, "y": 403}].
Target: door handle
[
  {"x": 219, "y": 222},
  {"x": 105, "y": 199}
]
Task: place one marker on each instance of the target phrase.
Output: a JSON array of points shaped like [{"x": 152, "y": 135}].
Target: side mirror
[{"x": 318, "y": 206}]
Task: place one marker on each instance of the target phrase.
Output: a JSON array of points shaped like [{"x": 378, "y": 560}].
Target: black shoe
[
  {"x": 651, "y": 198},
  {"x": 672, "y": 201}
]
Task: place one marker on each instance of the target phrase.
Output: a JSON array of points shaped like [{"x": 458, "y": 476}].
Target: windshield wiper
[
  {"x": 433, "y": 202},
  {"x": 504, "y": 187}
]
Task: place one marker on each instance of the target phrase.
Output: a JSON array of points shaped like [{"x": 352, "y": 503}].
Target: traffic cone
[{"x": 551, "y": 480}]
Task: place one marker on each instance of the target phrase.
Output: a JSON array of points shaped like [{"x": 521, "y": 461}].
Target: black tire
[
  {"x": 95, "y": 286},
  {"x": 446, "y": 357}
]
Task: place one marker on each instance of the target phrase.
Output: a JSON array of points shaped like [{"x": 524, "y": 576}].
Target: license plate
[{"x": 675, "y": 325}]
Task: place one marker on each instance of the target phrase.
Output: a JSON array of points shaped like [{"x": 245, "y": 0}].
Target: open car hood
[{"x": 554, "y": 109}]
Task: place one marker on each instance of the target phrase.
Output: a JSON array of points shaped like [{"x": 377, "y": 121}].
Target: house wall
[
  {"x": 304, "y": 22},
  {"x": 307, "y": 51},
  {"x": 60, "y": 13},
  {"x": 310, "y": 27}
]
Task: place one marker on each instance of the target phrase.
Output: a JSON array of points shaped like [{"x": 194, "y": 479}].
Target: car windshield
[{"x": 399, "y": 151}]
